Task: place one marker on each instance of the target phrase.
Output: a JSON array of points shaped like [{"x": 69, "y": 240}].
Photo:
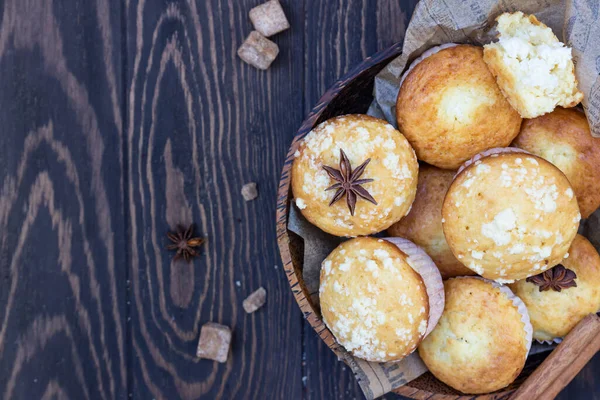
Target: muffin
[
  {"x": 450, "y": 108},
  {"x": 532, "y": 67},
  {"x": 563, "y": 137},
  {"x": 482, "y": 340},
  {"x": 354, "y": 175},
  {"x": 562, "y": 296},
  {"x": 378, "y": 298},
  {"x": 423, "y": 224},
  {"x": 509, "y": 215}
]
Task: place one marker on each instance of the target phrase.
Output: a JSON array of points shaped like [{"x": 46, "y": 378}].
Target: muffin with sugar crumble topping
[
  {"x": 354, "y": 175},
  {"x": 509, "y": 215},
  {"x": 380, "y": 297}
]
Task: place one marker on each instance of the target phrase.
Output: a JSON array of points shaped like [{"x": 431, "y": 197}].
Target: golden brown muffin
[
  {"x": 374, "y": 301},
  {"x": 450, "y": 108},
  {"x": 390, "y": 177},
  {"x": 563, "y": 137},
  {"x": 510, "y": 215},
  {"x": 482, "y": 340},
  {"x": 553, "y": 314},
  {"x": 423, "y": 224},
  {"x": 532, "y": 67}
]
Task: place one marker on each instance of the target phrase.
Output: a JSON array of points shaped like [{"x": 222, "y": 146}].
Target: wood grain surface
[
  {"x": 120, "y": 120},
  {"x": 62, "y": 222}
]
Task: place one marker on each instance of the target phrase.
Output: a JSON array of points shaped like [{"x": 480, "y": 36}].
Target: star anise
[
  {"x": 557, "y": 279},
  {"x": 348, "y": 182},
  {"x": 184, "y": 243}
]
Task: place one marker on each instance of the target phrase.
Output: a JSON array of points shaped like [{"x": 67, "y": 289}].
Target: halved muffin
[{"x": 532, "y": 67}]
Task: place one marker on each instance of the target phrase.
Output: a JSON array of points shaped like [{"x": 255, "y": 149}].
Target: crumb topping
[
  {"x": 477, "y": 268},
  {"x": 478, "y": 255},
  {"x": 543, "y": 196},
  {"x": 327, "y": 266},
  {"x": 517, "y": 248},
  {"x": 300, "y": 203},
  {"x": 482, "y": 168},
  {"x": 499, "y": 230},
  {"x": 569, "y": 193}
]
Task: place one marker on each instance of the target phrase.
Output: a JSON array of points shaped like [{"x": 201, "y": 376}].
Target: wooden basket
[{"x": 353, "y": 94}]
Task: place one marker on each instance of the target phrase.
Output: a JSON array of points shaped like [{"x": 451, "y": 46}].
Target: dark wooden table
[{"x": 121, "y": 120}]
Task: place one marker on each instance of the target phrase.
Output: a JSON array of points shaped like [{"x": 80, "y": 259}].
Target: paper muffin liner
[
  {"x": 424, "y": 266},
  {"x": 486, "y": 153},
  {"x": 423, "y": 56},
  {"x": 517, "y": 302},
  {"x": 556, "y": 340}
]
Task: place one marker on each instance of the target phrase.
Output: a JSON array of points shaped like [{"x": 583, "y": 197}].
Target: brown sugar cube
[
  {"x": 258, "y": 51},
  {"x": 269, "y": 18},
  {"x": 249, "y": 191},
  {"x": 255, "y": 301},
  {"x": 214, "y": 342}
]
